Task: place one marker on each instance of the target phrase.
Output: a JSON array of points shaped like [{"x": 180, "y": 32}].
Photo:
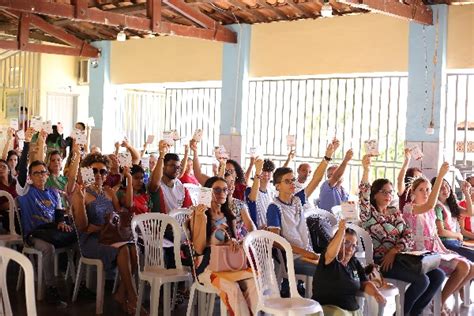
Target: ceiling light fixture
[{"x": 121, "y": 36}]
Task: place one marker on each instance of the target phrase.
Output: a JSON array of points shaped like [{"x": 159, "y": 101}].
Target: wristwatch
[{"x": 327, "y": 158}]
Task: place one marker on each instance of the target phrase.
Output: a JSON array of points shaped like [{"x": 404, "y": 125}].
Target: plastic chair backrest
[
  {"x": 324, "y": 214},
  {"x": 151, "y": 227},
  {"x": 365, "y": 245},
  {"x": 7, "y": 254},
  {"x": 181, "y": 215},
  {"x": 258, "y": 248},
  {"x": 12, "y": 208},
  {"x": 193, "y": 192}
]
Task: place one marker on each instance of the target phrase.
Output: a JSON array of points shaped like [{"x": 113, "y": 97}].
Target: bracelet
[
  {"x": 258, "y": 175},
  {"x": 327, "y": 158}
]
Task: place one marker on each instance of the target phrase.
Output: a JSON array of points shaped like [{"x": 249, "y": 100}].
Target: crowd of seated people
[{"x": 61, "y": 210}]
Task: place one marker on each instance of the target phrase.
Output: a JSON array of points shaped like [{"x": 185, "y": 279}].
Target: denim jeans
[
  {"x": 456, "y": 246},
  {"x": 422, "y": 287}
]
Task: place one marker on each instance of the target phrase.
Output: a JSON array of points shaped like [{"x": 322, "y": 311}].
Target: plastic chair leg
[
  {"x": 117, "y": 275},
  {"x": 155, "y": 298},
  {"x": 6, "y": 306},
  {"x": 191, "y": 300},
  {"x": 166, "y": 299},
  {"x": 40, "y": 277},
  {"x": 99, "y": 301},
  {"x": 78, "y": 281},
  {"x": 211, "y": 303}
]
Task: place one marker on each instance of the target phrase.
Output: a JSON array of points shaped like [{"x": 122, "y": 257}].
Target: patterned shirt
[
  {"x": 240, "y": 229},
  {"x": 387, "y": 230},
  {"x": 258, "y": 208},
  {"x": 443, "y": 214}
]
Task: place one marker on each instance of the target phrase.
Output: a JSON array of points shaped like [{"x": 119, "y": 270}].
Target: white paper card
[
  {"x": 145, "y": 161},
  {"x": 175, "y": 135},
  {"x": 47, "y": 127},
  {"x": 36, "y": 123},
  {"x": 221, "y": 152},
  {"x": 416, "y": 153},
  {"x": 87, "y": 175},
  {"x": 168, "y": 138},
  {"x": 197, "y": 136},
  {"x": 205, "y": 196},
  {"x": 125, "y": 159},
  {"x": 350, "y": 211},
  {"x": 20, "y": 134},
  {"x": 150, "y": 139},
  {"x": 291, "y": 140},
  {"x": 91, "y": 122},
  {"x": 79, "y": 136},
  {"x": 371, "y": 147},
  {"x": 14, "y": 123}
]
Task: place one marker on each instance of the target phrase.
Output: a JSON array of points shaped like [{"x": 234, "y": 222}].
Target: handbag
[
  {"x": 418, "y": 262},
  {"x": 51, "y": 234},
  {"x": 224, "y": 259},
  {"x": 117, "y": 228}
]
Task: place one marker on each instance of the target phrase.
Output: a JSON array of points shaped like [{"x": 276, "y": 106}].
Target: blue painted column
[
  {"x": 235, "y": 66},
  {"x": 101, "y": 96},
  {"x": 427, "y": 82}
]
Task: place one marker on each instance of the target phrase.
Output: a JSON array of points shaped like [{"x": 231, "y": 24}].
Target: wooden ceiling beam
[
  {"x": 278, "y": 12},
  {"x": 192, "y": 14},
  {"x": 410, "y": 10},
  {"x": 153, "y": 12},
  {"x": 134, "y": 23}
]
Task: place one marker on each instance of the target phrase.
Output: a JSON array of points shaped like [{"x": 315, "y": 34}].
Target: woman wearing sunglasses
[
  {"x": 91, "y": 207},
  {"x": 391, "y": 235},
  {"x": 214, "y": 226},
  {"x": 340, "y": 276}
]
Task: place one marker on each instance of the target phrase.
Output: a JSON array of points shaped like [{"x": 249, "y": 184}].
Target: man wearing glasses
[
  {"x": 285, "y": 215},
  {"x": 173, "y": 194}
]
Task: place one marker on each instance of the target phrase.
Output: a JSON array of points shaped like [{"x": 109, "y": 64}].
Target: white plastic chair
[
  {"x": 258, "y": 248},
  {"x": 13, "y": 238},
  {"x": 323, "y": 214},
  {"x": 152, "y": 227},
  {"x": 365, "y": 254},
  {"x": 100, "y": 284},
  {"x": 6, "y": 255}
]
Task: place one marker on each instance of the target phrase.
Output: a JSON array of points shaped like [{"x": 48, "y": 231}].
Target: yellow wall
[
  {"x": 165, "y": 59},
  {"x": 348, "y": 44},
  {"x": 461, "y": 37},
  {"x": 58, "y": 74}
]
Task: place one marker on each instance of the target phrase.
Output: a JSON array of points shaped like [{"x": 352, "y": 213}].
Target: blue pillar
[
  {"x": 422, "y": 89},
  {"x": 235, "y": 66},
  {"x": 100, "y": 94}
]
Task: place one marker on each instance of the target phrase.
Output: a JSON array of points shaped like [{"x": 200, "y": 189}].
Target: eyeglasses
[
  {"x": 230, "y": 171},
  {"x": 385, "y": 192},
  {"x": 40, "y": 173},
  {"x": 220, "y": 190},
  {"x": 348, "y": 244},
  {"x": 288, "y": 181},
  {"x": 102, "y": 172}
]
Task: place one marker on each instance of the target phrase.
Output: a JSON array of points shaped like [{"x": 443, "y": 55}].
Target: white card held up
[
  {"x": 350, "y": 211},
  {"x": 79, "y": 136},
  {"x": 175, "y": 135},
  {"x": 150, "y": 139},
  {"x": 221, "y": 153},
  {"x": 125, "y": 159},
  {"x": 36, "y": 123},
  {"x": 168, "y": 138},
  {"x": 205, "y": 196},
  {"x": 371, "y": 147},
  {"x": 47, "y": 127},
  {"x": 91, "y": 122},
  {"x": 197, "y": 136},
  {"x": 291, "y": 140},
  {"x": 21, "y": 134},
  {"x": 87, "y": 175},
  {"x": 416, "y": 153},
  {"x": 14, "y": 123}
]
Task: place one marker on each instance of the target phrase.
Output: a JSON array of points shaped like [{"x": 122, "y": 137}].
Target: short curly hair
[{"x": 95, "y": 157}]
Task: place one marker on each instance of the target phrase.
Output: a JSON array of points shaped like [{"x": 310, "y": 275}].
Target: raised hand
[
  {"x": 163, "y": 148},
  {"x": 443, "y": 170},
  {"x": 407, "y": 153},
  {"x": 29, "y": 134},
  {"x": 349, "y": 155},
  {"x": 258, "y": 166},
  {"x": 366, "y": 161}
]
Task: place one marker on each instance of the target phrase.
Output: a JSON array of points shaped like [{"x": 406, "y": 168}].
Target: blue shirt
[
  {"x": 331, "y": 196},
  {"x": 37, "y": 207},
  {"x": 290, "y": 219}
]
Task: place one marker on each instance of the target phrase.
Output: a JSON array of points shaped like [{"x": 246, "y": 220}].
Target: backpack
[{"x": 320, "y": 231}]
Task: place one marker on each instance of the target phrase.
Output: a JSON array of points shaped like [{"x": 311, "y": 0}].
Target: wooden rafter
[
  {"x": 134, "y": 23},
  {"x": 413, "y": 10},
  {"x": 26, "y": 20}
]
